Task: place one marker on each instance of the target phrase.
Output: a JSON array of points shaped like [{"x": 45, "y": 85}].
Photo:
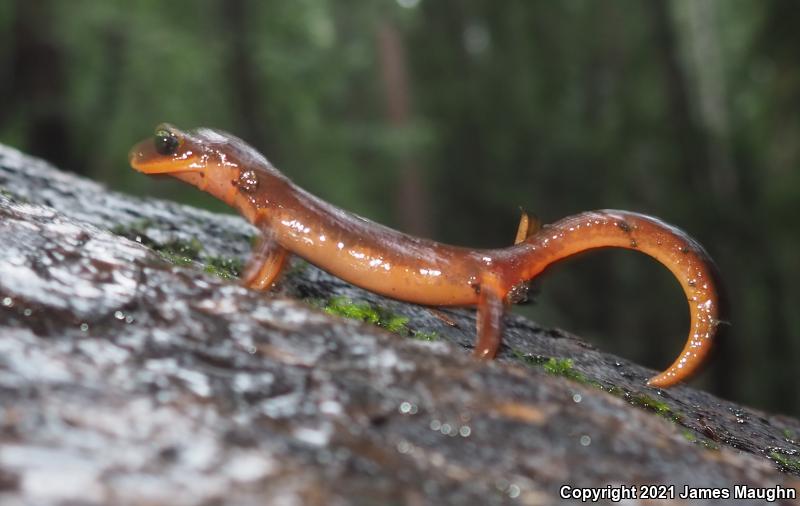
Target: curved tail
[{"x": 681, "y": 254}]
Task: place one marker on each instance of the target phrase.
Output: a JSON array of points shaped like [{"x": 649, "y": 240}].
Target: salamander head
[{"x": 213, "y": 161}]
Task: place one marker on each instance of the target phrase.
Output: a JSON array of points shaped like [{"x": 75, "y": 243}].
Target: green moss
[
  {"x": 298, "y": 266},
  {"x": 189, "y": 249},
  {"x": 179, "y": 252},
  {"x": 137, "y": 231},
  {"x": 13, "y": 196},
  {"x": 708, "y": 445},
  {"x": 420, "y": 335},
  {"x": 132, "y": 230},
  {"x": 564, "y": 367},
  {"x": 789, "y": 434},
  {"x": 614, "y": 390},
  {"x": 365, "y": 312},
  {"x": 692, "y": 438},
  {"x": 559, "y": 366},
  {"x": 341, "y": 306},
  {"x": 556, "y": 366},
  {"x": 394, "y": 323},
  {"x": 226, "y": 268},
  {"x": 787, "y": 462},
  {"x": 529, "y": 358},
  {"x": 175, "y": 259},
  {"x": 651, "y": 403},
  {"x": 362, "y": 311}
]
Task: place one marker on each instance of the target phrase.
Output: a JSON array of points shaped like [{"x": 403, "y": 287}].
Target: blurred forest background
[{"x": 444, "y": 117}]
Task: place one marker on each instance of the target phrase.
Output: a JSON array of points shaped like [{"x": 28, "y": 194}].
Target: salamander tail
[{"x": 681, "y": 254}]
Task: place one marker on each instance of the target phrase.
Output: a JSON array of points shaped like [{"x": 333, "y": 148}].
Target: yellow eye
[{"x": 166, "y": 142}]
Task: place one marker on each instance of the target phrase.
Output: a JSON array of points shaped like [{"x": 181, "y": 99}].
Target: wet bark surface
[{"x": 133, "y": 371}]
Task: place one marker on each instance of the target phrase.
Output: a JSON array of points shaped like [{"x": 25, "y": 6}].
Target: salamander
[{"x": 413, "y": 269}]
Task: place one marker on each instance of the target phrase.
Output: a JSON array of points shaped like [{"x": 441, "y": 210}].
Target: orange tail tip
[{"x": 682, "y": 255}]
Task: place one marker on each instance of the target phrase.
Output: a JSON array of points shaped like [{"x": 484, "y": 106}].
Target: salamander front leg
[
  {"x": 265, "y": 264},
  {"x": 491, "y": 310}
]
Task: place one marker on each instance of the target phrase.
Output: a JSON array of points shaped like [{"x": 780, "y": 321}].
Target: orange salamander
[{"x": 417, "y": 270}]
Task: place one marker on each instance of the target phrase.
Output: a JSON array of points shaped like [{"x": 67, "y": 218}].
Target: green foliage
[
  {"x": 691, "y": 436},
  {"x": 529, "y": 359},
  {"x": 13, "y": 196},
  {"x": 393, "y": 323},
  {"x": 789, "y": 463},
  {"x": 661, "y": 107},
  {"x": 180, "y": 252},
  {"x": 133, "y": 230},
  {"x": 651, "y": 403},
  {"x": 382, "y": 317},
  {"x": 342, "y": 306},
  {"x": 564, "y": 367},
  {"x": 226, "y": 268},
  {"x": 421, "y": 335}
]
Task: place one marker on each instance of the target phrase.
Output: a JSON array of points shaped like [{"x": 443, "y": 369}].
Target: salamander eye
[{"x": 167, "y": 142}]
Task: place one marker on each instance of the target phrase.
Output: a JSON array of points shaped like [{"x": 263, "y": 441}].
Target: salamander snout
[
  {"x": 199, "y": 158},
  {"x": 166, "y": 152}
]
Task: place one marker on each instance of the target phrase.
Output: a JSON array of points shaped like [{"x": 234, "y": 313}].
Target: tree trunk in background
[
  {"x": 111, "y": 80},
  {"x": 688, "y": 135},
  {"x": 412, "y": 202},
  {"x": 245, "y": 89},
  {"x": 779, "y": 38},
  {"x": 37, "y": 88},
  {"x": 700, "y": 112},
  {"x": 700, "y": 30},
  {"x": 691, "y": 139},
  {"x": 700, "y": 34}
]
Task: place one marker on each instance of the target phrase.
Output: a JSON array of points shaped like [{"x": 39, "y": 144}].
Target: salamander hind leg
[
  {"x": 265, "y": 264},
  {"x": 491, "y": 310},
  {"x": 528, "y": 226}
]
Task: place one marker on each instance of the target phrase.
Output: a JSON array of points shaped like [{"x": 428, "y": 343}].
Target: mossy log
[{"x": 134, "y": 370}]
